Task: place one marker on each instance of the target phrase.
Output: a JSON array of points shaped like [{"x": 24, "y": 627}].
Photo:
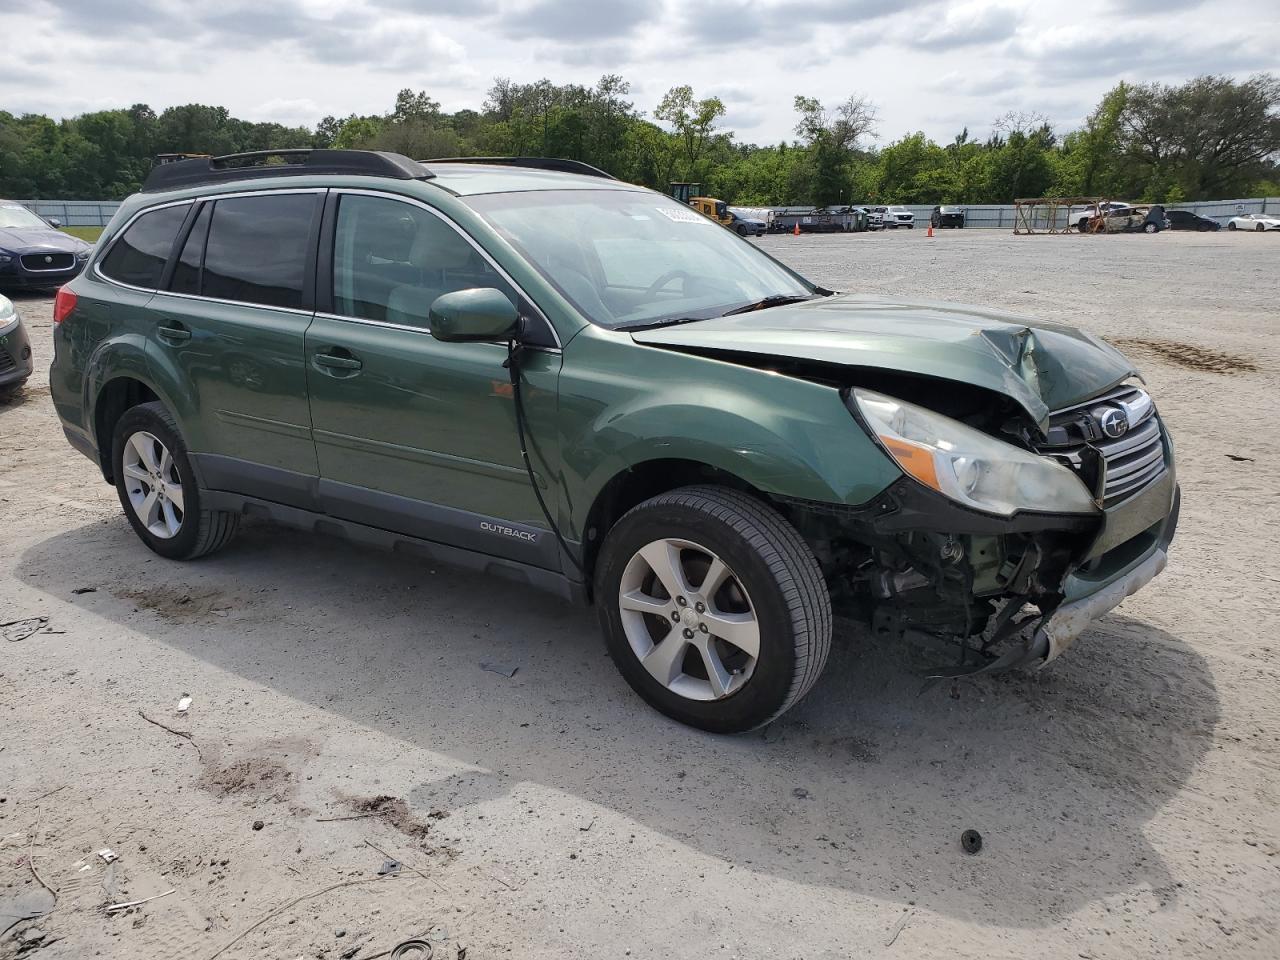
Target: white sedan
[{"x": 1255, "y": 221}]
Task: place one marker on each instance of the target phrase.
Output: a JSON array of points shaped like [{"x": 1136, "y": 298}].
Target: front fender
[{"x": 782, "y": 435}]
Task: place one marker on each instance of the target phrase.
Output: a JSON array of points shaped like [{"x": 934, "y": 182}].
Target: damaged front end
[{"x": 1017, "y": 582}]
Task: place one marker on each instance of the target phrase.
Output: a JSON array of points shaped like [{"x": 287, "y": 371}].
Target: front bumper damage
[{"x": 1014, "y": 592}]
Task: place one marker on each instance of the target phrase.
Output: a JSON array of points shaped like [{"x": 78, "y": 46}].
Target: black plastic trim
[
  {"x": 233, "y": 167},
  {"x": 546, "y": 580}
]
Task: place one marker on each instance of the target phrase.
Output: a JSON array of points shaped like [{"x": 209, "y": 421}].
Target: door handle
[
  {"x": 172, "y": 332},
  {"x": 335, "y": 361}
]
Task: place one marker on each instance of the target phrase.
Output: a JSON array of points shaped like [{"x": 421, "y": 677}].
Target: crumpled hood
[
  {"x": 1042, "y": 365},
  {"x": 34, "y": 239}
]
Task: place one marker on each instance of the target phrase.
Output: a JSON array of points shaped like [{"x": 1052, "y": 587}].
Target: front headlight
[
  {"x": 8, "y": 316},
  {"x": 5, "y": 258},
  {"x": 968, "y": 466}
]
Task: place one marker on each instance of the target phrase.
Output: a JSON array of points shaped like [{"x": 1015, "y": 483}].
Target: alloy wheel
[
  {"x": 153, "y": 485},
  {"x": 688, "y": 619}
]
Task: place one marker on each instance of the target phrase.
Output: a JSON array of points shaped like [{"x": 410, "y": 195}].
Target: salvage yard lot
[{"x": 1127, "y": 796}]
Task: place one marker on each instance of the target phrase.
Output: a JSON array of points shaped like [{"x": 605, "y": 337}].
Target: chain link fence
[{"x": 96, "y": 213}]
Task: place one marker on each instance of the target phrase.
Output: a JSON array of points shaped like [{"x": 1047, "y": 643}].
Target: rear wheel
[
  {"x": 1150, "y": 228},
  {"x": 1259, "y": 228},
  {"x": 1083, "y": 225},
  {"x": 1231, "y": 226},
  {"x": 713, "y": 608},
  {"x": 158, "y": 489}
]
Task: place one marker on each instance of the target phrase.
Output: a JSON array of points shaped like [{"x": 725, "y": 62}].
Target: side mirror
[
  {"x": 56, "y": 224},
  {"x": 468, "y": 316}
]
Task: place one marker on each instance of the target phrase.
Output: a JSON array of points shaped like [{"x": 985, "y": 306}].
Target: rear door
[
  {"x": 415, "y": 435},
  {"x": 229, "y": 324}
]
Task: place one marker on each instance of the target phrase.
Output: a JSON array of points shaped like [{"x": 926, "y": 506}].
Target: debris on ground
[
  {"x": 392, "y": 811},
  {"x": 897, "y": 928},
  {"x": 107, "y": 855},
  {"x": 79, "y": 590},
  {"x": 1239, "y": 459},
  {"x": 258, "y": 824},
  {"x": 502, "y": 669},
  {"x": 588, "y": 825},
  {"x": 389, "y": 866},
  {"x": 800, "y": 793},
  {"x": 16, "y": 630},
  {"x": 971, "y": 841},
  {"x": 136, "y": 903},
  {"x": 26, "y": 905},
  {"x": 184, "y": 734},
  {"x": 184, "y": 703},
  {"x": 415, "y": 950}
]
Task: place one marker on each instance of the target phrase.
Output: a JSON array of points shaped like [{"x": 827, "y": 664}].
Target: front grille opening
[
  {"x": 36, "y": 262},
  {"x": 1115, "y": 468}
]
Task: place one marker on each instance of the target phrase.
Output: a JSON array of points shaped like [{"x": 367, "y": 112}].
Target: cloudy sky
[{"x": 927, "y": 64}]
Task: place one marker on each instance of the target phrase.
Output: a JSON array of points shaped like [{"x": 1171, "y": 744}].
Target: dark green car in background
[{"x": 530, "y": 369}]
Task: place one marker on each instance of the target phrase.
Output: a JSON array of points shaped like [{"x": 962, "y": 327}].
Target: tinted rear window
[
  {"x": 139, "y": 256},
  {"x": 186, "y": 272},
  {"x": 257, "y": 249}
]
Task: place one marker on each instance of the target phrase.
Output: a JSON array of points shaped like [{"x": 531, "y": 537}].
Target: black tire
[
  {"x": 780, "y": 575},
  {"x": 742, "y": 231},
  {"x": 1150, "y": 228},
  {"x": 1231, "y": 226},
  {"x": 1082, "y": 225},
  {"x": 1259, "y": 228},
  {"x": 202, "y": 531}
]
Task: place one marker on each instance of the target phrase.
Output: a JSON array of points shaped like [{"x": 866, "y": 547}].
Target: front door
[{"x": 415, "y": 435}]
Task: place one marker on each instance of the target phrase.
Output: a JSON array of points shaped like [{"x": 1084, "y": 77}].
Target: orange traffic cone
[
  {"x": 930, "y": 232},
  {"x": 797, "y": 230}
]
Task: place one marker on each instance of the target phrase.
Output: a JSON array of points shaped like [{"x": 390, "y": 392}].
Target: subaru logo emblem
[
  {"x": 48, "y": 259},
  {"x": 1114, "y": 423}
]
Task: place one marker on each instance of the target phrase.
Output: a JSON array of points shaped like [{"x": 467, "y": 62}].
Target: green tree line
[{"x": 1211, "y": 137}]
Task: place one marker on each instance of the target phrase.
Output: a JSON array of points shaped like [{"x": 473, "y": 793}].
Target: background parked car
[
  {"x": 1135, "y": 220},
  {"x": 875, "y": 218},
  {"x": 1254, "y": 221},
  {"x": 895, "y": 216},
  {"x": 15, "y": 350},
  {"x": 1083, "y": 217},
  {"x": 746, "y": 226},
  {"x": 1186, "y": 220},
  {"x": 33, "y": 253},
  {"x": 944, "y": 216}
]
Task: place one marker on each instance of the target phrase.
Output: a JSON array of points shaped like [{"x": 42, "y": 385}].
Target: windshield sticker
[{"x": 682, "y": 216}]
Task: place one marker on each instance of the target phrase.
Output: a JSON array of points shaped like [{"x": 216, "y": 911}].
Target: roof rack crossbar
[
  {"x": 304, "y": 161},
  {"x": 559, "y": 164}
]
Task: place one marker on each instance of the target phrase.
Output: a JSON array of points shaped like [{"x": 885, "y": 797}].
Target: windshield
[
  {"x": 626, "y": 258},
  {"x": 12, "y": 215}
]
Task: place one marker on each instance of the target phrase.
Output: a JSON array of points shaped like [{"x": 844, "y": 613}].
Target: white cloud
[{"x": 928, "y": 64}]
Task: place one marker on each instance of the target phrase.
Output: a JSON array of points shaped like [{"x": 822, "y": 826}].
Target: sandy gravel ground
[{"x": 1127, "y": 796}]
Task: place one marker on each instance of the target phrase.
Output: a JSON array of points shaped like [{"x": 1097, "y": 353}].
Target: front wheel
[
  {"x": 1231, "y": 226},
  {"x": 713, "y": 608},
  {"x": 158, "y": 489},
  {"x": 1259, "y": 228},
  {"x": 1150, "y": 228}
]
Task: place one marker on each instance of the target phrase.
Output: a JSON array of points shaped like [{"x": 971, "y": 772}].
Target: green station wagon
[{"x": 535, "y": 371}]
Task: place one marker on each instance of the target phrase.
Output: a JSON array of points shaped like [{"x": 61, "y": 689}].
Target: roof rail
[
  {"x": 536, "y": 163},
  {"x": 297, "y": 162}
]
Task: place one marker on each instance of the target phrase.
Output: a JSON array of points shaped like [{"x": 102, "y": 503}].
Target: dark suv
[{"x": 528, "y": 368}]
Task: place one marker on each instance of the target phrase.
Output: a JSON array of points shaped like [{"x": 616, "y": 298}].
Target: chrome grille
[
  {"x": 36, "y": 262},
  {"x": 1115, "y": 468}
]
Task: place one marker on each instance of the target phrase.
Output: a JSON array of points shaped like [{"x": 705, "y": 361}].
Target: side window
[
  {"x": 392, "y": 259},
  {"x": 186, "y": 272},
  {"x": 139, "y": 256},
  {"x": 256, "y": 251}
]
